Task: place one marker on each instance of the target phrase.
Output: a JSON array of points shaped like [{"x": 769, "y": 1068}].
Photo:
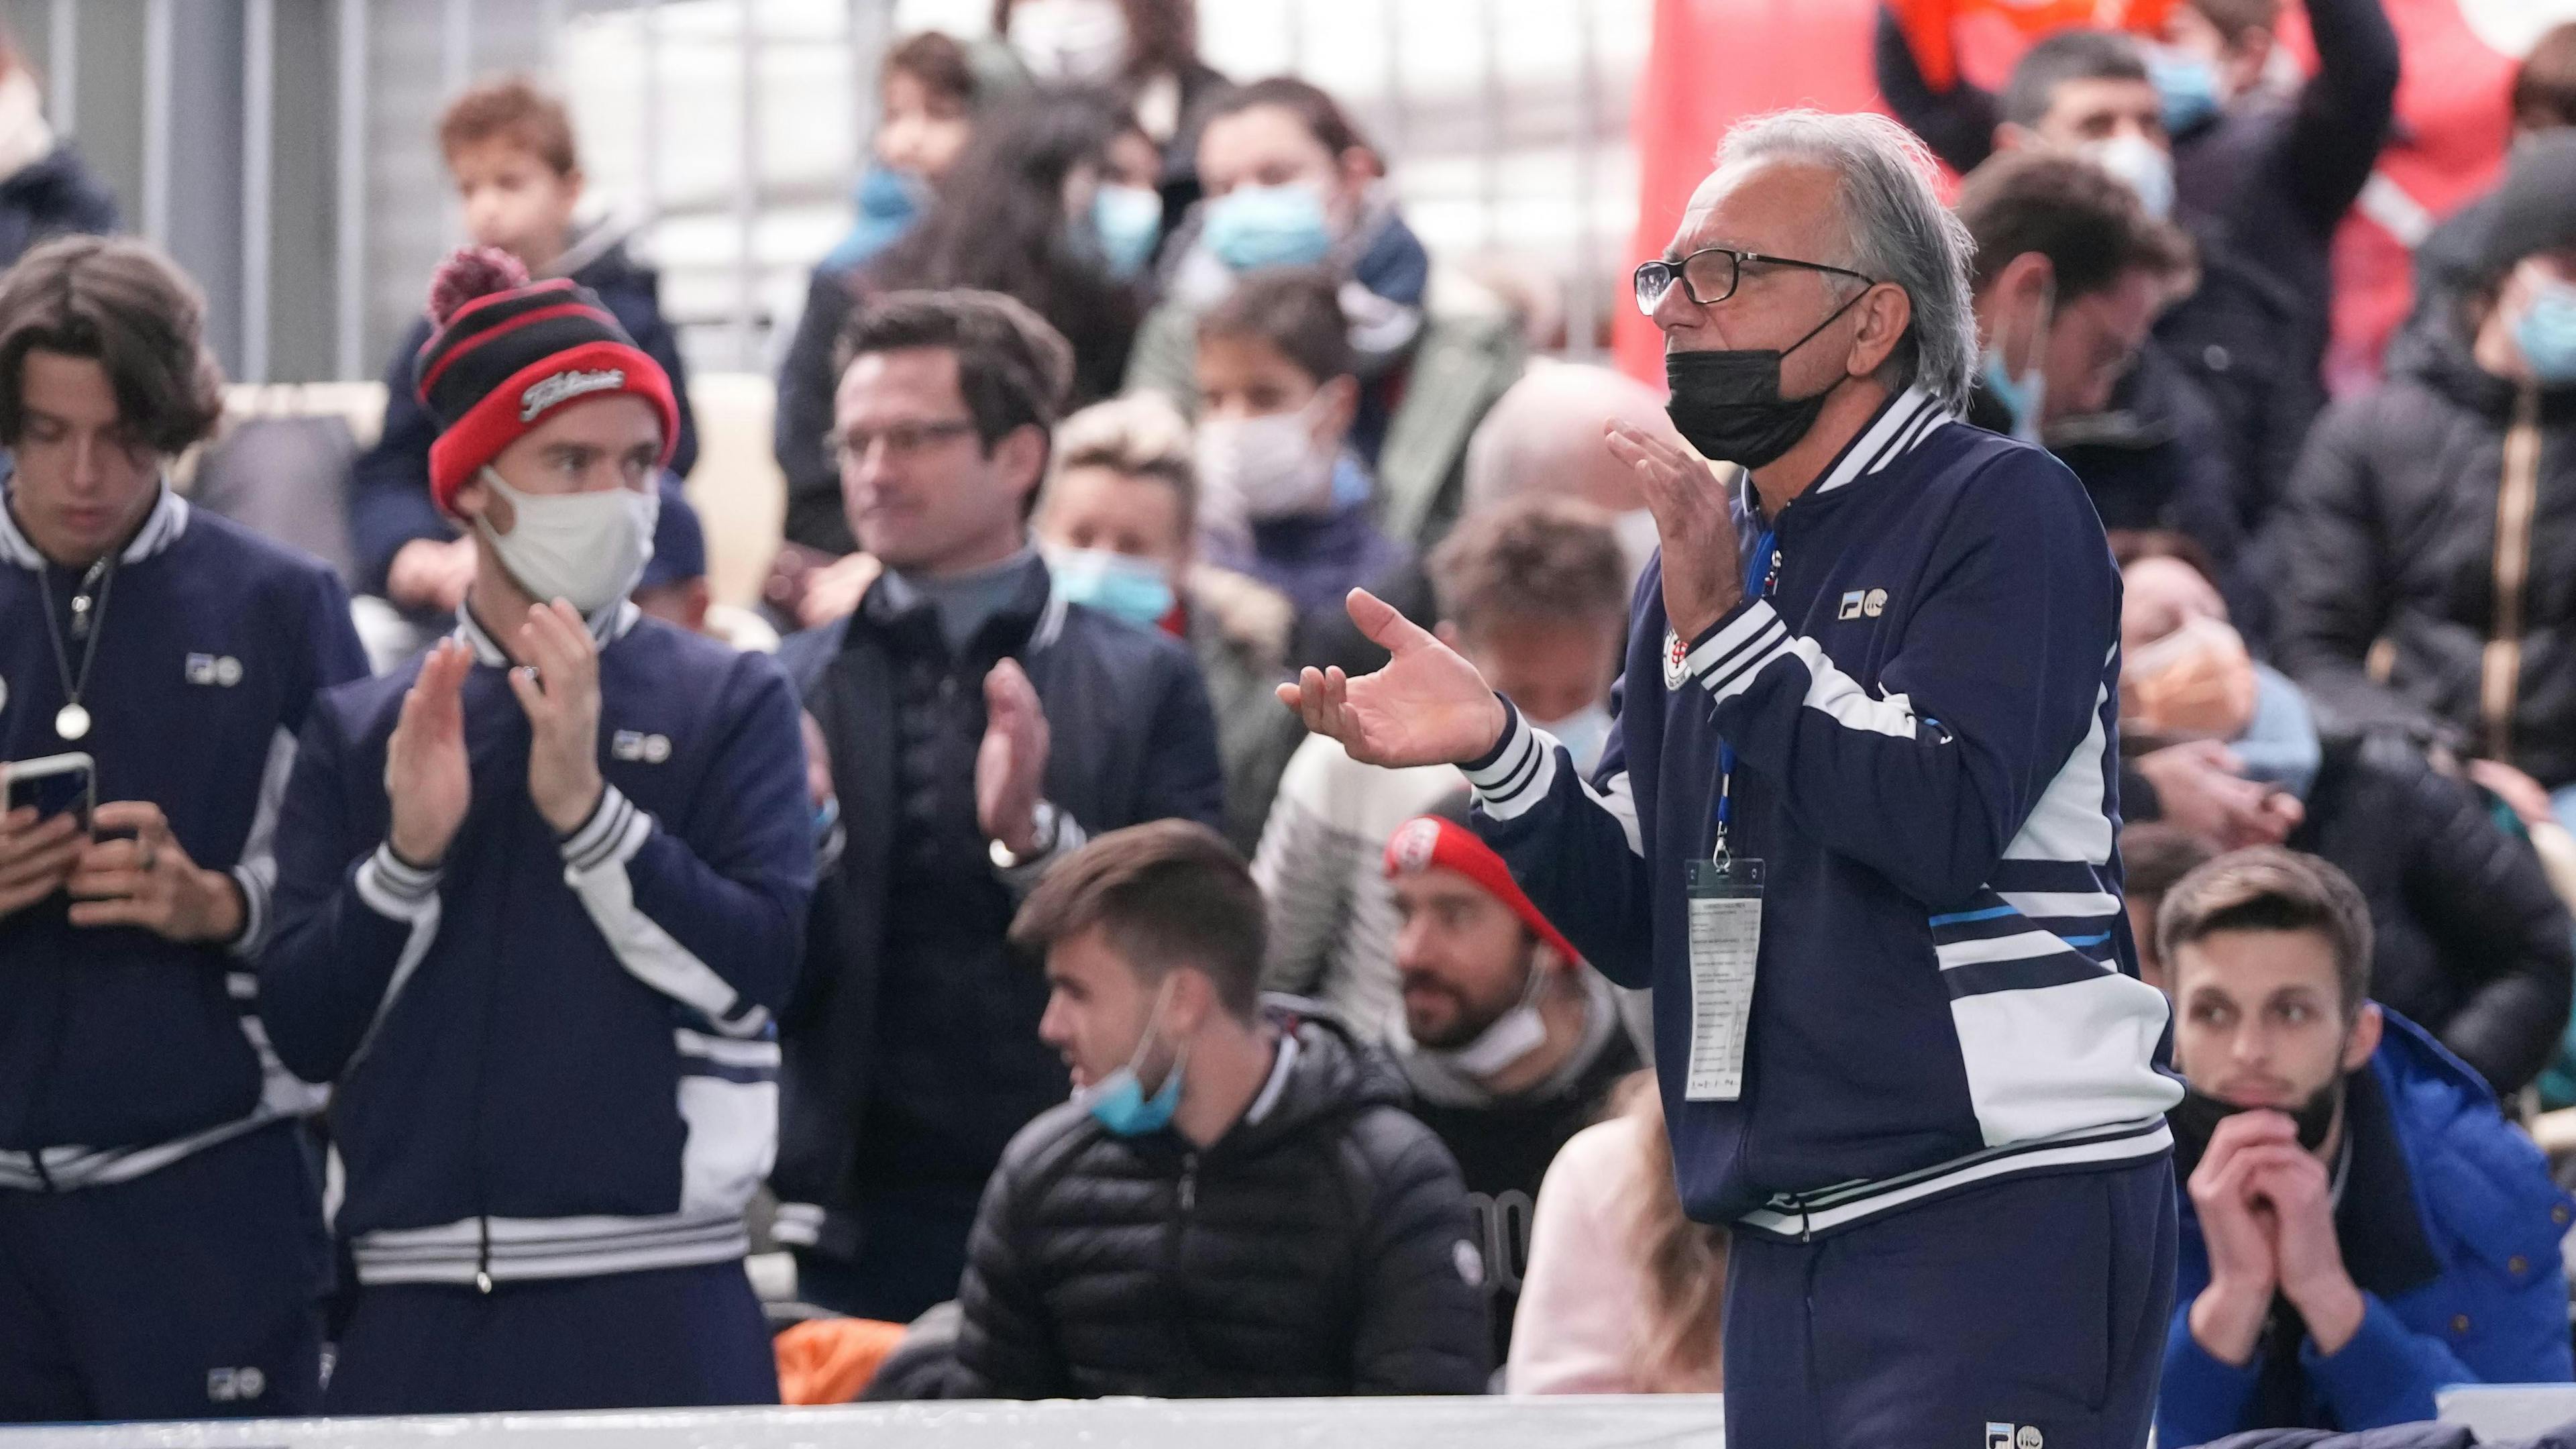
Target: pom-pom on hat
[{"x": 507, "y": 352}]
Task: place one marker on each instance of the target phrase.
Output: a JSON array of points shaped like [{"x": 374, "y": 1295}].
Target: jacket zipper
[
  {"x": 2500, "y": 663},
  {"x": 1180, "y": 1318}
]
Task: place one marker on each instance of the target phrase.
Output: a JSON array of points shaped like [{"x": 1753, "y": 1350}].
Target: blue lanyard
[{"x": 1758, "y": 583}]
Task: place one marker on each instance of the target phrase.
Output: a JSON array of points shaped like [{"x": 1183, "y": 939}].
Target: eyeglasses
[
  {"x": 1711, "y": 274},
  {"x": 902, "y": 440}
]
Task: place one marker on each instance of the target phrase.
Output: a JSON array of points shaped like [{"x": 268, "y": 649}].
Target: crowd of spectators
[{"x": 972, "y": 924}]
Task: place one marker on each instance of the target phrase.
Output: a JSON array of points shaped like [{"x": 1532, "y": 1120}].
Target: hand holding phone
[{"x": 43, "y": 828}]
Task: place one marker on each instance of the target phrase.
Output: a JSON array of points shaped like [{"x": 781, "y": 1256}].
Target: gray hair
[{"x": 1895, "y": 229}]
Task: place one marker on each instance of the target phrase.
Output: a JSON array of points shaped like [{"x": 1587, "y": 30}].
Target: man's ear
[
  {"x": 1021, "y": 455},
  {"x": 1885, "y": 312},
  {"x": 1447, "y": 633},
  {"x": 2363, "y": 1041},
  {"x": 2013, "y": 136},
  {"x": 477, "y": 500},
  {"x": 574, "y": 182}
]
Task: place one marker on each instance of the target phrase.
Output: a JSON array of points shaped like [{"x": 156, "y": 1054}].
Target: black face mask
[
  {"x": 2196, "y": 1117},
  {"x": 1728, "y": 405}
]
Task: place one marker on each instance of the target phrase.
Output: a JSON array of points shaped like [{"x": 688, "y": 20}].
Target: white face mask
[
  {"x": 587, "y": 549},
  {"x": 1269, "y": 467},
  {"x": 1076, "y": 41},
  {"x": 1584, "y": 733},
  {"x": 1514, "y": 1035},
  {"x": 2144, "y": 166}
]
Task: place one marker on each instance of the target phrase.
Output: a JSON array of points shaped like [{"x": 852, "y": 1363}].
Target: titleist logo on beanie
[
  {"x": 505, "y": 352},
  {"x": 545, "y": 392}
]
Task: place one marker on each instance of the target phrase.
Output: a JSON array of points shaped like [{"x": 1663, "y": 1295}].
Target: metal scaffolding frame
[{"x": 362, "y": 218}]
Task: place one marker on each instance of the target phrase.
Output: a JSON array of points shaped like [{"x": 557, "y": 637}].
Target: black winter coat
[
  {"x": 56, "y": 196},
  {"x": 1322, "y": 1250},
  {"x": 2389, "y": 546},
  {"x": 2469, "y": 940},
  {"x": 910, "y": 1045}
]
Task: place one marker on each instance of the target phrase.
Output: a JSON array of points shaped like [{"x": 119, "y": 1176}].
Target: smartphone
[{"x": 54, "y": 784}]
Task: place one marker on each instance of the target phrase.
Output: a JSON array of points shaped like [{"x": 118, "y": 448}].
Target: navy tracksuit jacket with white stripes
[
  {"x": 161, "y": 1240},
  {"x": 1924, "y": 709},
  {"x": 118, "y": 1047},
  {"x": 553, "y": 1057}
]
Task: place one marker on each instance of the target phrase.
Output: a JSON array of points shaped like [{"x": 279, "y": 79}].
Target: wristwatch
[{"x": 1041, "y": 840}]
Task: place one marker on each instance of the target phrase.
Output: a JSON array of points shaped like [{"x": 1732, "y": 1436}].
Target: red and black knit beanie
[{"x": 509, "y": 351}]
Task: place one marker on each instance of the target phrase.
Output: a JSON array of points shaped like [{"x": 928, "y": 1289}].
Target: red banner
[{"x": 1716, "y": 61}]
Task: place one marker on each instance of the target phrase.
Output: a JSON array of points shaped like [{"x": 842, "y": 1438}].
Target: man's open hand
[{"x": 1428, "y": 706}]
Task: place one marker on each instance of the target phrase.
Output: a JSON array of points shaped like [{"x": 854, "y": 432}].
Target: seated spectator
[
  {"x": 509, "y": 149},
  {"x": 2360, "y": 1226},
  {"x": 1535, "y": 594},
  {"x": 1543, "y": 436},
  {"x": 1020, "y": 212},
  {"x": 1119, "y": 522},
  {"x": 1146, "y": 50},
  {"x": 1235, "y": 1204},
  {"x": 2153, "y": 855},
  {"x": 1291, "y": 182},
  {"x": 2470, "y": 940},
  {"x": 2069, "y": 275},
  {"x": 2420, "y": 552},
  {"x": 1624, "y": 1294},
  {"x": 2260, "y": 180},
  {"x": 1287, "y": 498},
  {"x": 45, "y": 188},
  {"x": 1510, "y": 1043},
  {"x": 976, "y": 726},
  {"x": 673, "y": 588},
  {"x": 2542, "y": 100},
  {"x": 926, "y": 96}
]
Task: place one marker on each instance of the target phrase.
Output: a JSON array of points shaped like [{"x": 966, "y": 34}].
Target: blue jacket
[
  {"x": 2460, "y": 1276},
  {"x": 121, "y": 1051},
  {"x": 1925, "y": 711},
  {"x": 389, "y": 502},
  {"x": 553, "y": 1057}
]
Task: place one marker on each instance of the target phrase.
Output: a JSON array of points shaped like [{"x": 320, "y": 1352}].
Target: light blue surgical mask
[
  {"x": 1132, "y": 589},
  {"x": 2546, "y": 332},
  {"x": 2025, "y": 395},
  {"x": 1269, "y": 226},
  {"x": 2187, "y": 84},
  {"x": 1129, "y": 220},
  {"x": 1118, "y": 1101},
  {"x": 1585, "y": 734}
]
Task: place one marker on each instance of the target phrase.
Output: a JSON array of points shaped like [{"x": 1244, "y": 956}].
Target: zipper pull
[
  {"x": 1189, "y": 1182},
  {"x": 483, "y": 1255}
]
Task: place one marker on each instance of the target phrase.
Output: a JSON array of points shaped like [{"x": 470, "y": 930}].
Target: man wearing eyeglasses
[
  {"x": 976, "y": 726},
  {"x": 1855, "y": 828}
]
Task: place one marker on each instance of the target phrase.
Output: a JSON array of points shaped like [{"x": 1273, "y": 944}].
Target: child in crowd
[
  {"x": 1287, "y": 500},
  {"x": 509, "y": 149}
]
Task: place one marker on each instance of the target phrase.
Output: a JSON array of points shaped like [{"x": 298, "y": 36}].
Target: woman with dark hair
[
  {"x": 1147, "y": 50},
  {"x": 1292, "y": 182},
  {"x": 1050, "y": 204},
  {"x": 927, "y": 93}
]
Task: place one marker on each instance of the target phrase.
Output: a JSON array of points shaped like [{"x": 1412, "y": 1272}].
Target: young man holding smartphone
[{"x": 161, "y": 1244}]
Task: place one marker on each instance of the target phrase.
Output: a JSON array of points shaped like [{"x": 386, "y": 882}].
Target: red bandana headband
[{"x": 1428, "y": 842}]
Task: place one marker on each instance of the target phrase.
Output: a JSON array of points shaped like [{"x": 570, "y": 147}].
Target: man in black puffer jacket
[
  {"x": 1234, "y": 1204},
  {"x": 2427, "y": 542}
]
